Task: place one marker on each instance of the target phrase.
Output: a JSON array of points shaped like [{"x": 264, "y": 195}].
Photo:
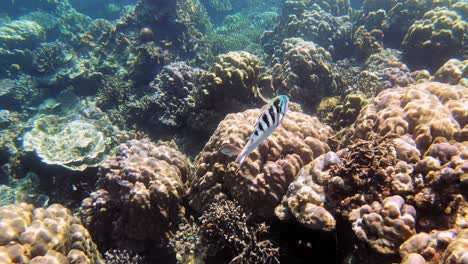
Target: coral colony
[{"x": 121, "y": 123}]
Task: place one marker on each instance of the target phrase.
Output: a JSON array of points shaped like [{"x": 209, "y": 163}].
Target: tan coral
[
  {"x": 44, "y": 235},
  {"x": 453, "y": 71},
  {"x": 305, "y": 199},
  {"x": 445, "y": 247},
  {"x": 425, "y": 111},
  {"x": 264, "y": 177},
  {"x": 139, "y": 196},
  {"x": 384, "y": 226}
]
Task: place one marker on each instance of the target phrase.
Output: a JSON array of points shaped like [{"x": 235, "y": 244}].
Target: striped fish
[{"x": 270, "y": 118}]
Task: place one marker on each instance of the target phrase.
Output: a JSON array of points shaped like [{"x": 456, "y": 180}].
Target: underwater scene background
[{"x": 115, "y": 115}]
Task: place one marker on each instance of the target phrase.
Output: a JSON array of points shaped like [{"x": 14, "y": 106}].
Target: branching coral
[
  {"x": 120, "y": 256},
  {"x": 49, "y": 57},
  {"x": 265, "y": 175},
  {"x": 44, "y": 235},
  {"x": 224, "y": 232},
  {"x": 139, "y": 197}
]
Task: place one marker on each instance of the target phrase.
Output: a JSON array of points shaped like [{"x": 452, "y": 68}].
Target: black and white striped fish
[{"x": 267, "y": 122}]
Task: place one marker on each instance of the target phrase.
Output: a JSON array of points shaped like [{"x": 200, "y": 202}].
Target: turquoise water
[{"x": 121, "y": 122}]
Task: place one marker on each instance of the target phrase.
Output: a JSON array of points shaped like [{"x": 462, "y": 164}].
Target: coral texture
[
  {"x": 425, "y": 111},
  {"x": 305, "y": 199},
  {"x": 303, "y": 71},
  {"x": 224, "y": 233},
  {"x": 440, "y": 32},
  {"x": 139, "y": 198},
  {"x": 44, "y": 235},
  {"x": 453, "y": 72},
  {"x": 384, "y": 226},
  {"x": 447, "y": 246},
  {"x": 304, "y": 19},
  {"x": 75, "y": 145},
  {"x": 264, "y": 177}
]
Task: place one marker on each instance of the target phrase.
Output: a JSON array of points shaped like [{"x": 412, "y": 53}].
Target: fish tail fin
[{"x": 241, "y": 157}]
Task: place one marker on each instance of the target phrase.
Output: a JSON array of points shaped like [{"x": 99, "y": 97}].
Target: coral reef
[
  {"x": 120, "y": 256},
  {"x": 138, "y": 202},
  {"x": 447, "y": 246},
  {"x": 305, "y": 199},
  {"x": 242, "y": 31},
  {"x": 384, "y": 226},
  {"x": 73, "y": 141},
  {"x": 441, "y": 32},
  {"x": 48, "y": 57},
  {"x": 341, "y": 114},
  {"x": 303, "y": 71},
  {"x": 44, "y": 235},
  {"x": 265, "y": 175},
  {"x": 224, "y": 233},
  {"x": 425, "y": 111},
  {"x": 21, "y": 190},
  {"x": 173, "y": 90},
  {"x": 19, "y": 93},
  {"x": 306, "y": 20},
  {"x": 453, "y": 72},
  {"x": 21, "y": 34},
  {"x": 187, "y": 17}
]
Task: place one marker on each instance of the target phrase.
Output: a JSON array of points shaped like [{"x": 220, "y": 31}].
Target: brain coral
[
  {"x": 265, "y": 175},
  {"x": 44, "y": 235},
  {"x": 425, "y": 111},
  {"x": 139, "y": 196},
  {"x": 441, "y": 32}
]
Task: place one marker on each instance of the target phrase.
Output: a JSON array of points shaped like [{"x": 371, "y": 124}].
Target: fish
[{"x": 270, "y": 118}]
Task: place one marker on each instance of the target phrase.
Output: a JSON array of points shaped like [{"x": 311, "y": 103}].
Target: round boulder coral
[
  {"x": 453, "y": 72},
  {"x": 446, "y": 246},
  {"x": 441, "y": 33},
  {"x": 139, "y": 196},
  {"x": 44, "y": 235},
  {"x": 303, "y": 71},
  {"x": 305, "y": 199},
  {"x": 264, "y": 177},
  {"x": 425, "y": 111},
  {"x": 384, "y": 226}
]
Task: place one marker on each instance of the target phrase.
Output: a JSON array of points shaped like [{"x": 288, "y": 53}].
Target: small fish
[{"x": 270, "y": 118}]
